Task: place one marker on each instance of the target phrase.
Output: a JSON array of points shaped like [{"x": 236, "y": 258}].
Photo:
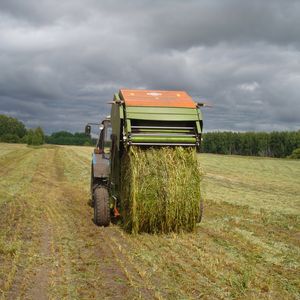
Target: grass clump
[
  {"x": 295, "y": 154},
  {"x": 160, "y": 189}
]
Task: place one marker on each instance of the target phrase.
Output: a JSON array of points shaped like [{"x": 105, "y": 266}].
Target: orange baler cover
[{"x": 157, "y": 98}]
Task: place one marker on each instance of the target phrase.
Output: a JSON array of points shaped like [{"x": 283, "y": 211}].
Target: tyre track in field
[
  {"x": 37, "y": 227},
  {"x": 136, "y": 278},
  {"x": 118, "y": 281},
  {"x": 14, "y": 224},
  {"x": 10, "y": 161},
  {"x": 127, "y": 249},
  {"x": 61, "y": 253},
  {"x": 44, "y": 261}
]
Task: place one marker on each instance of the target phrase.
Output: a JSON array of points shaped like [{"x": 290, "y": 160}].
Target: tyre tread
[{"x": 101, "y": 207}]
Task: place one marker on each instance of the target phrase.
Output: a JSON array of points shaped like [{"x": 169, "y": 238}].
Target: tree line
[
  {"x": 14, "y": 131},
  {"x": 272, "y": 144},
  {"x": 68, "y": 138}
]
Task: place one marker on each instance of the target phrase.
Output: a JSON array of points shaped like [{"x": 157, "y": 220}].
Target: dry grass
[
  {"x": 160, "y": 190},
  {"x": 247, "y": 246}
]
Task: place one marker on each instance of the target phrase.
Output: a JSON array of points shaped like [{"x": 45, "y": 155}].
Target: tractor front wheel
[{"x": 101, "y": 207}]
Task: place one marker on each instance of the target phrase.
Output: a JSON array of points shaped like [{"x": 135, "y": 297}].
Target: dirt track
[
  {"x": 50, "y": 248},
  {"x": 63, "y": 254}
]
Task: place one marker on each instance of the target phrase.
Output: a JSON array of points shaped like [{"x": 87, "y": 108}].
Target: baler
[{"x": 141, "y": 118}]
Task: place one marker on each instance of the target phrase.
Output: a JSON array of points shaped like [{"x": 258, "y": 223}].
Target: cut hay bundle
[{"x": 160, "y": 189}]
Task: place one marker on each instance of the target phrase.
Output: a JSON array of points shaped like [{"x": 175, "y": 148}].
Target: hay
[{"x": 160, "y": 189}]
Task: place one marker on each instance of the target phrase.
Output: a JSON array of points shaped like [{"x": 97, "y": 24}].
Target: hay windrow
[{"x": 160, "y": 189}]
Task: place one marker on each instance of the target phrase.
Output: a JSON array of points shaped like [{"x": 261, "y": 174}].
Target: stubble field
[{"x": 247, "y": 246}]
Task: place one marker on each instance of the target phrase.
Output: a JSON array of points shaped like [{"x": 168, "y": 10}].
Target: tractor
[{"x": 143, "y": 118}]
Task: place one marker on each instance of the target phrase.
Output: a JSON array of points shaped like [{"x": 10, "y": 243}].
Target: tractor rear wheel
[{"x": 101, "y": 207}]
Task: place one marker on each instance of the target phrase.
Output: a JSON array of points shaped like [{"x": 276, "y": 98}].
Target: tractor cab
[{"x": 103, "y": 145}]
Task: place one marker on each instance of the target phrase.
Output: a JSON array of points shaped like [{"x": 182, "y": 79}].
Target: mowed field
[{"x": 247, "y": 246}]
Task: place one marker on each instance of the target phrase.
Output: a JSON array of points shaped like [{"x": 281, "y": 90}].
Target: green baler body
[{"x": 147, "y": 126}]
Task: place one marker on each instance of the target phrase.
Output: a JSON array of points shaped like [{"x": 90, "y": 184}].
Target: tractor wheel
[{"x": 101, "y": 207}]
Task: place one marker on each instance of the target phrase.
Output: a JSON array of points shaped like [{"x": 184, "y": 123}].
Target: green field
[{"x": 247, "y": 246}]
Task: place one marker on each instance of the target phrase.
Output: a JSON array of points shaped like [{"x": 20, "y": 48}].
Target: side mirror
[{"x": 87, "y": 129}]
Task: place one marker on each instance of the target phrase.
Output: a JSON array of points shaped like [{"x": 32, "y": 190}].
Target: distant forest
[
  {"x": 272, "y": 144},
  {"x": 68, "y": 138},
  {"x": 14, "y": 131}
]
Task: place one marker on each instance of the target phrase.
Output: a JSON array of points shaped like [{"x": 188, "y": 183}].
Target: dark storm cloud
[{"x": 61, "y": 61}]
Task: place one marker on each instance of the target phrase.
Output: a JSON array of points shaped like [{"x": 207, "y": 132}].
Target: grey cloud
[
  {"x": 61, "y": 61},
  {"x": 212, "y": 22}
]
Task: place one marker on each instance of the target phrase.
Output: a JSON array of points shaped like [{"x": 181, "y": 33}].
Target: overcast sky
[{"x": 61, "y": 61}]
